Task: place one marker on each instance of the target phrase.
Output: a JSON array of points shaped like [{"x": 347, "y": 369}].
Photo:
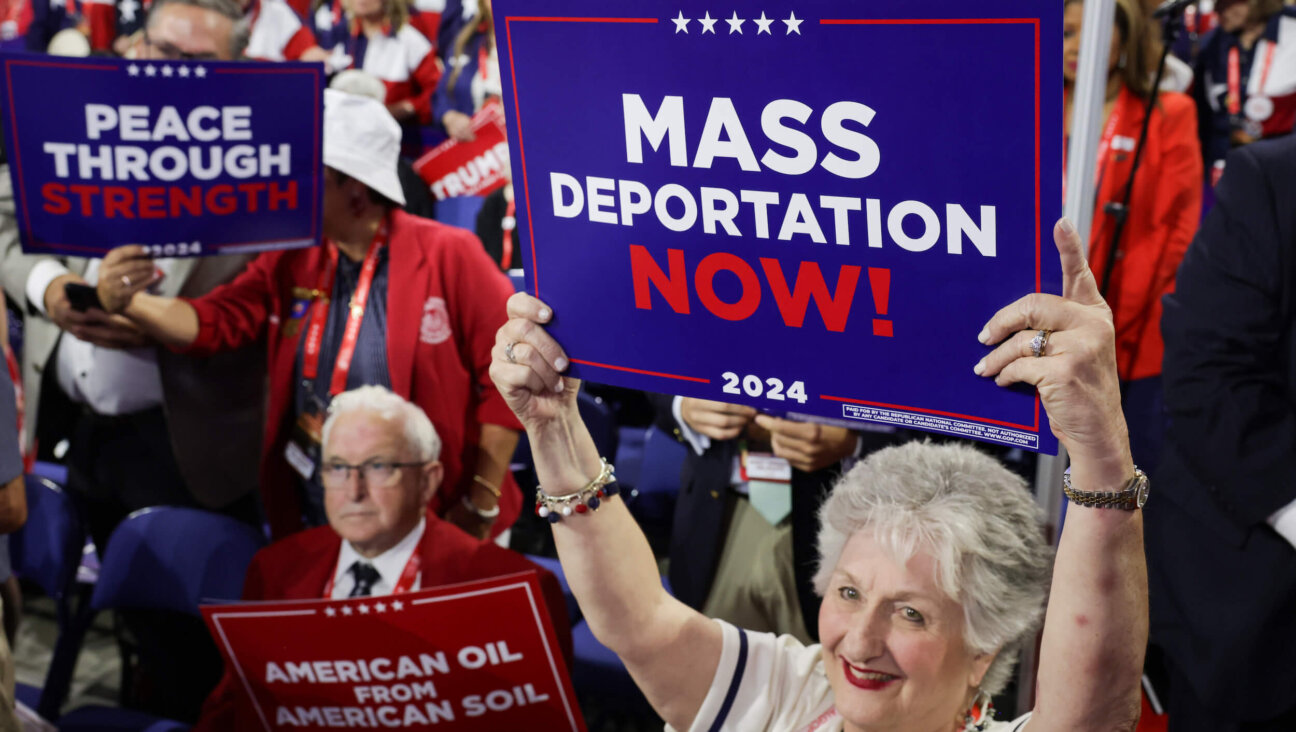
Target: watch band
[{"x": 1132, "y": 497}]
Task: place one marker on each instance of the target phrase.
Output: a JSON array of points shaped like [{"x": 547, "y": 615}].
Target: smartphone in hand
[{"x": 82, "y": 297}]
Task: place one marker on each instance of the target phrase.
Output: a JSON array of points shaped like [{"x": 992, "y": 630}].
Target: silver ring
[
  {"x": 126, "y": 281},
  {"x": 1040, "y": 342},
  {"x": 508, "y": 351}
]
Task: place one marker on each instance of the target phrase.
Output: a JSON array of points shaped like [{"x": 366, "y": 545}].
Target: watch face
[{"x": 1141, "y": 492}]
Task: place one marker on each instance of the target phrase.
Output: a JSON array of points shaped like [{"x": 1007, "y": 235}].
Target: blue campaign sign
[
  {"x": 811, "y": 208},
  {"x": 189, "y": 158}
]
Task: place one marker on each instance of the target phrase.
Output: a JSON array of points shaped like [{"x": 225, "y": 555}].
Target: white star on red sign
[
  {"x": 346, "y": 609},
  {"x": 330, "y": 611},
  {"x": 681, "y": 23},
  {"x": 364, "y": 609},
  {"x": 763, "y": 24},
  {"x": 793, "y": 24},
  {"x": 380, "y": 607},
  {"x": 397, "y": 605},
  {"x": 735, "y": 24},
  {"x": 708, "y": 23}
]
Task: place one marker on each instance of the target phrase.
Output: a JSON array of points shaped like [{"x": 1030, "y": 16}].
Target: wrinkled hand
[
  {"x": 458, "y": 126},
  {"x": 92, "y": 326},
  {"x": 808, "y": 446},
  {"x": 531, "y": 382},
  {"x": 124, "y": 271},
  {"x": 1076, "y": 377},
  {"x": 717, "y": 420}
]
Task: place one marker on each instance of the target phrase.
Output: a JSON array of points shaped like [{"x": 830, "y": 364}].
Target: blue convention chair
[
  {"x": 658, "y": 482},
  {"x": 161, "y": 558},
  {"x": 597, "y": 672},
  {"x": 115, "y": 719},
  {"x": 47, "y": 551}
]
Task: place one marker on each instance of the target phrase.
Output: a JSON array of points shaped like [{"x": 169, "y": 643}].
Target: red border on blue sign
[{"x": 526, "y": 188}]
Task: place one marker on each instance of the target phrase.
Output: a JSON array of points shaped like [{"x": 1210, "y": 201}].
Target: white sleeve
[
  {"x": 1284, "y": 522},
  {"x": 39, "y": 279},
  {"x": 763, "y": 682},
  {"x": 698, "y": 442}
]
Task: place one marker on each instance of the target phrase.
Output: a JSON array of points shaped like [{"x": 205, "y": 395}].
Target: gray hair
[
  {"x": 420, "y": 436},
  {"x": 976, "y": 519},
  {"x": 231, "y": 9}
]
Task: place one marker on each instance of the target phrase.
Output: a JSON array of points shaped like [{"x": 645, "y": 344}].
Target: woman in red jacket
[
  {"x": 389, "y": 299},
  {"x": 1162, "y": 215}
]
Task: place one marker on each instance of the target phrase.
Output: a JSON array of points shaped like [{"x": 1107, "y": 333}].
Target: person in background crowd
[
  {"x": 1222, "y": 546},
  {"x": 467, "y": 45},
  {"x": 1246, "y": 77},
  {"x": 390, "y": 299},
  {"x": 376, "y": 36},
  {"x": 418, "y": 199},
  {"x": 146, "y": 419},
  {"x": 380, "y": 471},
  {"x": 13, "y": 514},
  {"x": 278, "y": 33},
  {"x": 729, "y": 510},
  {"x": 933, "y": 567},
  {"x": 145, "y": 426},
  {"x": 1162, "y": 215}
]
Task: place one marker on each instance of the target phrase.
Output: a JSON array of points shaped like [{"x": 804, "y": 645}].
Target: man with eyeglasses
[{"x": 380, "y": 467}]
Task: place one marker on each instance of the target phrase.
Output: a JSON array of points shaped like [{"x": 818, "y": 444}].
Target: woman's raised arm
[
  {"x": 1096, "y": 626},
  {"x": 671, "y": 650}
]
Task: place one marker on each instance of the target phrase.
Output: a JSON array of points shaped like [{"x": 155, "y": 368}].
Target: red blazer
[
  {"x": 298, "y": 568},
  {"x": 1163, "y": 214},
  {"x": 445, "y": 301}
]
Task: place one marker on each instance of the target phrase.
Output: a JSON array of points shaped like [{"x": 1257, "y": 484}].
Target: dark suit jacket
[
  {"x": 299, "y": 567},
  {"x": 1222, "y": 582},
  {"x": 702, "y": 513}
]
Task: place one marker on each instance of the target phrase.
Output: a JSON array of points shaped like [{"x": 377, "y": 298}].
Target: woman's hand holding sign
[
  {"x": 1074, "y": 369},
  {"x": 124, "y": 272}
]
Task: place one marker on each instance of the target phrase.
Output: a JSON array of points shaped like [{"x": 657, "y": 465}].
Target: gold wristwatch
[{"x": 1130, "y": 498}]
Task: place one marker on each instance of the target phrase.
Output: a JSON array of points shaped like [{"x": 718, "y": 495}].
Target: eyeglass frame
[{"x": 361, "y": 469}]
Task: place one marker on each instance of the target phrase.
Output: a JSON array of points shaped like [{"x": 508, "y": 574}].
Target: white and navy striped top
[{"x": 768, "y": 683}]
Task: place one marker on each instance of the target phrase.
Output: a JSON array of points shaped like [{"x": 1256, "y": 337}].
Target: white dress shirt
[
  {"x": 110, "y": 381},
  {"x": 389, "y": 564}
]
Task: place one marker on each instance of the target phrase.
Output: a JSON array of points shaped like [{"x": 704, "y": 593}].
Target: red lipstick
[{"x": 851, "y": 674}]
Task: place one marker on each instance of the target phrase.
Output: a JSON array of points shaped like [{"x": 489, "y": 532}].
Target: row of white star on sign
[
  {"x": 763, "y": 23},
  {"x": 363, "y": 609},
  {"x": 151, "y": 70}
]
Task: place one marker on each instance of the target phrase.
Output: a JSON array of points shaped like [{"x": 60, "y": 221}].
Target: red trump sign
[
  {"x": 471, "y": 657},
  {"x": 474, "y": 168}
]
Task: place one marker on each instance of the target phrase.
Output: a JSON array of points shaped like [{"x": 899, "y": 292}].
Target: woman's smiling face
[{"x": 893, "y": 643}]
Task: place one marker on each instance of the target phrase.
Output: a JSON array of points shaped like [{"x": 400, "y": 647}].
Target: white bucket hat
[{"x": 362, "y": 140}]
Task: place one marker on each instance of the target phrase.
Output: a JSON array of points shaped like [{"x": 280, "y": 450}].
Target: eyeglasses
[
  {"x": 374, "y": 472},
  {"x": 171, "y": 52}
]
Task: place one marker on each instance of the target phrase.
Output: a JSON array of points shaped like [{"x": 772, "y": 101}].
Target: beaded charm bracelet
[{"x": 556, "y": 508}]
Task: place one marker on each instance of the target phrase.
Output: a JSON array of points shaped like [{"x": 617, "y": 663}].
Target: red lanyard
[
  {"x": 404, "y": 584},
  {"x": 509, "y": 224},
  {"x": 1234, "y": 98},
  {"x": 319, "y": 314}
]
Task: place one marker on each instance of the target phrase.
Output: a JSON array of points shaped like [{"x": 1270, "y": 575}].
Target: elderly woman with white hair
[{"x": 934, "y": 569}]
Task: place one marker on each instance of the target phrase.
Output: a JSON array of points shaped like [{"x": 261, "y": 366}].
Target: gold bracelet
[{"x": 495, "y": 491}]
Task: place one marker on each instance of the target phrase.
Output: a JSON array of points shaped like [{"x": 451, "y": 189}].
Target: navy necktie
[{"x": 365, "y": 578}]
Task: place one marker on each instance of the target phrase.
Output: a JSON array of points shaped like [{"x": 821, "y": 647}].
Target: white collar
[{"x": 389, "y": 564}]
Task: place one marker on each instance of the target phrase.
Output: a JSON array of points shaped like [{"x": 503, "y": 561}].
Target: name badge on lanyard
[{"x": 303, "y": 449}]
